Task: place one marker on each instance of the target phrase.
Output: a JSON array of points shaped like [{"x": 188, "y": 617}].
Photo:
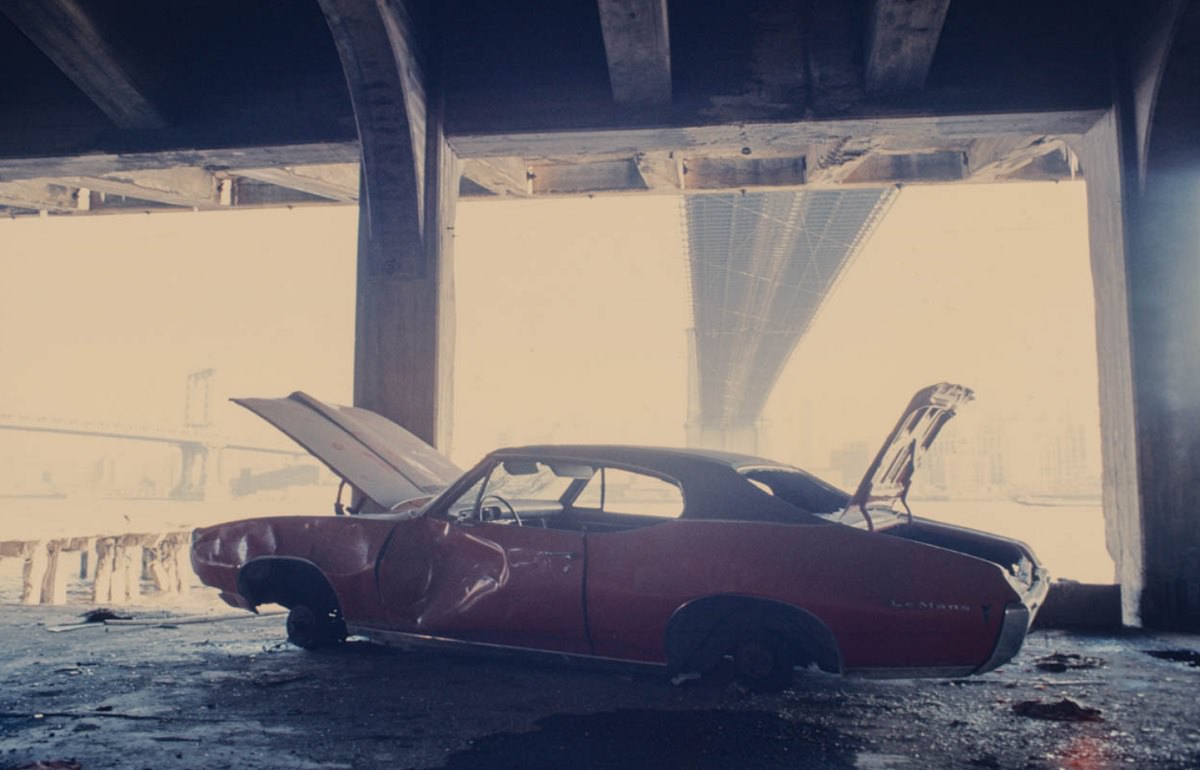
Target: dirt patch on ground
[{"x": 234, "y": 695}]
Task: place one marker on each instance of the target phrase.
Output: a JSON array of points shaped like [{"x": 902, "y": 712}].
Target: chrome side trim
[
  {"x": 1012, "y": 635},
  {"x": 405, "y": 640},
  {"x": 913, "y": 672}
]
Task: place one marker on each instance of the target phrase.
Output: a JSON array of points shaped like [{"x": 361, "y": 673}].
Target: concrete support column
[
  {"x": 1100, "y": 155},
  {"x": 409, "y": 187},
  {"x": 404, "y": 328},
  {"x": 1165, "y": 318},
  {"x": 1154, "y": 197}
]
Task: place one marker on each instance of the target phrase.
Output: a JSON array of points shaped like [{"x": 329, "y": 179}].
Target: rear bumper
[
  {"x": 1018, "y": 617},
  {"x": 1013, "y": 629}
]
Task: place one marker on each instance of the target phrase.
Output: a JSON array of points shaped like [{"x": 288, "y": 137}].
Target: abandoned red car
[{"x": 677, "y": 557}]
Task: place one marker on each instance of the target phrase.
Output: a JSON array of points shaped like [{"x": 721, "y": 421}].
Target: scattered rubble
[
  {"x": 1065, "y": 710},
  {"x": 1059, "y": 662}
]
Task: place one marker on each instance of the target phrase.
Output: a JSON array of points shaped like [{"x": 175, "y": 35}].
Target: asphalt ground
[{"x": 234, "y": 694}]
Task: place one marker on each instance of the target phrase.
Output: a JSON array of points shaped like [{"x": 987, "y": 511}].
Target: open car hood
[
  {"x": 375, "y": 455},
  {"x": 889, "y": 476}
]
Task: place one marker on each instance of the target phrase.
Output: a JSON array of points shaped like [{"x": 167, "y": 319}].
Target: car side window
[{"x": 616, "y": 490}]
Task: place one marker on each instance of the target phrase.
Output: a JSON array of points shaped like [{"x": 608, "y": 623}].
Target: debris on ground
[
  {"x": 1065, "y": 710},
  {"x": 101, "y": 614},
  {"x": 1059, "y": 662},
  {"x": 273, "y": 678},
  {"x": 1190, "y": 657}
]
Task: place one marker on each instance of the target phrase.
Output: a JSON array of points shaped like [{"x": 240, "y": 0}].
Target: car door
[{"x": 474, "y": 572}]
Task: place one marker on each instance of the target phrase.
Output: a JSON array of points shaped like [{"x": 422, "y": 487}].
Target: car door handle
[{"x": 568, "y": 555}]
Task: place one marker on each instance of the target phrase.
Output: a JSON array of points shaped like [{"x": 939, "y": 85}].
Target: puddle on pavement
[{"x": 660, "y": 740}]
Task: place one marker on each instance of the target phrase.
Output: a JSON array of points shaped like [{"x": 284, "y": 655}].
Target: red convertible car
[{"x": 678, "y": 557}]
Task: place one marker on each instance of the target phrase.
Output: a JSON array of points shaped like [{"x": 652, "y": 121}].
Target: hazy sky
[
  {"x": 985, "y": 285},
  {"x": 571, "y": 317}
]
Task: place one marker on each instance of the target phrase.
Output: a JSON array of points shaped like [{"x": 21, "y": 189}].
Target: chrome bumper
[{"x": 1012, "y": 634}]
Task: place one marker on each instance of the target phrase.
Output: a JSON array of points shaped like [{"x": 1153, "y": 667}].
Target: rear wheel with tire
[
  {"x": 764, "y": 661},
  {"x": 313, "y": 629}
]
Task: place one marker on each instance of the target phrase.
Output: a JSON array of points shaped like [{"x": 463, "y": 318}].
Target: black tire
[
  {"x": 312, "y": 630},
  {"x": 764, "y": 662}
]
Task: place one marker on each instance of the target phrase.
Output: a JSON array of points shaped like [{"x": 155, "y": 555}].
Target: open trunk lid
[
  {"x": 375, "y": 455},
  {"x": 886, "y": 483}
]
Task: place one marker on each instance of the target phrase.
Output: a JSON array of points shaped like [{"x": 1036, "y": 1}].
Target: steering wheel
[{"x": 504, "y": 503}]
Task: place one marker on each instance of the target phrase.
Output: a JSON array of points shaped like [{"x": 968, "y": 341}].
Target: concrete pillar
[
  {"x": 404, "y": 322},
  {"x": 1160, "y": 136},
  {"x": 1101, "y": 158},
  {"x": 404, "y": 333}
]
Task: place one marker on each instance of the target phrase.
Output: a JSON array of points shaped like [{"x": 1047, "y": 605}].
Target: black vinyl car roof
[{"x": 714, "y": 486}]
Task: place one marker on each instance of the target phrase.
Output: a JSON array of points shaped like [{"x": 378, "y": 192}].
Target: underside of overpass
[
  {"x": 219, "y": 103},
  {"x": 761, "y": 265}
]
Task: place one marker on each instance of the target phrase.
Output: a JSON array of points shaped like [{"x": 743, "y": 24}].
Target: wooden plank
[
  {"x": 499, "y": 176},
  {"x": 637, "y": 43},
  {"x": 902, "y": 36},
  {"x": 767, "y": 138},
  {"x": 214, "y": 159},
  {"x": 69, "y": 37},
  {"x": 336, "y": 181}
]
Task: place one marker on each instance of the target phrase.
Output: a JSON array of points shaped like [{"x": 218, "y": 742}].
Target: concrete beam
[
  {"x": 214, "y": 159},
  {"x": 781, "y": 138},
  {"x": 902, "y": 36},
  {"x": 38, "y": 196},
  {"x": 637, "y": 43},
  {"x": 583, "y": 178},
  {"x": 829, "y": 163},
  {"x": 335, "y": 181},
  {"x": 68, "y": 35},
  {"x": 909, "y": 168},
  {"x": 499, "y": 176},
  {"x": 997, "y": 158},
  {"x": 743, "y": 173},
  {"x": 660, "y": 171},
  {"x": 186, "y": 187}
]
